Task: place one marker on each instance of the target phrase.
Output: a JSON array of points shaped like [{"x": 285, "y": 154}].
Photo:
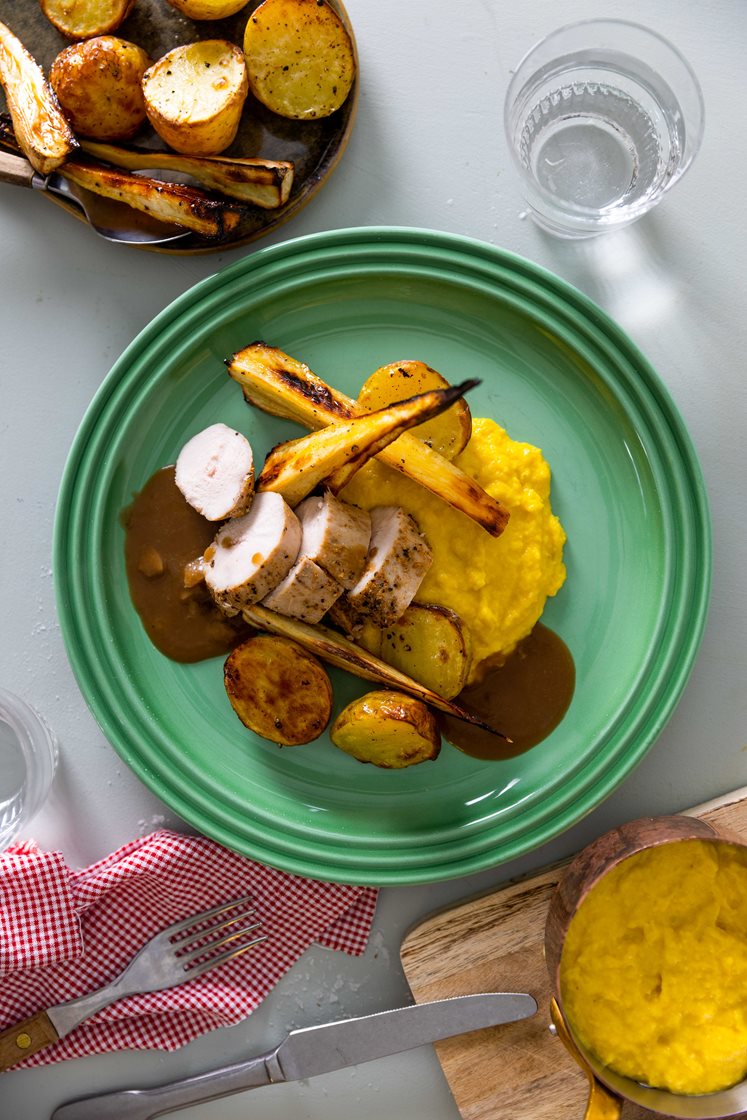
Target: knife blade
[{"x": 311, "y": 1051}]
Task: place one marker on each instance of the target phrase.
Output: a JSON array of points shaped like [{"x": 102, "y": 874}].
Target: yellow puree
[
  {"x": 497, "y": 585},
  {"x": 654, "y": 967}
]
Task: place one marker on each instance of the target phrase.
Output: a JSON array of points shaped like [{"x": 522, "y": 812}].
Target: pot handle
[{"x": 602, "y": 1103}]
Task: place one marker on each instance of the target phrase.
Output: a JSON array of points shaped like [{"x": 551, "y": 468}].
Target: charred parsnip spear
[
  {"x": 343, "y": 654},
  {"x": 285, "y": 387},
  {"x": 42, "y": 132},
  {"x": 175, "y": 203},
  {"x": 261, "y": 182},
  {"x": 336, "y": 452},
  {"x": 168, "y": 202}
]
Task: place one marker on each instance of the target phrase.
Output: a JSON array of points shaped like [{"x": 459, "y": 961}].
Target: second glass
[
  {"x": 602, "y": 117},
  {"x": 28, "y": 758}
]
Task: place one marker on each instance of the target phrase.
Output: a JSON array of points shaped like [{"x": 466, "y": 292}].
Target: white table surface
[{"x": 428, "y": 151}]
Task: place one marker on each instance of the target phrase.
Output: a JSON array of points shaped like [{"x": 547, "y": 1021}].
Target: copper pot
[{"x": 583, "y": 873}]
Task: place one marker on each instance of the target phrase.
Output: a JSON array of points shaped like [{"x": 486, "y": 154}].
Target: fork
[{"x": 179, "y": 953}]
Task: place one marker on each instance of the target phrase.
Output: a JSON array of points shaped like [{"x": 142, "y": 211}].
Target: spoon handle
[
  {"x": 602, "y": 1104},
  {"x": 16, "y": 170}
]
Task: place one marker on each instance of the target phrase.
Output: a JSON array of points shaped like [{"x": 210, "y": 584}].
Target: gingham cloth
[{"x": 65, "y": 932}]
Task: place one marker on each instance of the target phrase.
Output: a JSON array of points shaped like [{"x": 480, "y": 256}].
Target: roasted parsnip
[
  {"x": 262, "y": 182},
  {"x": 336, "y": 452},
  {"x": 168, "y": 202},
  {"x": 343, "y": 654},
  {"x": 175, "y": 203},
  {"x": 281, "y": 385},
  {"x": 42, "y": 131}
]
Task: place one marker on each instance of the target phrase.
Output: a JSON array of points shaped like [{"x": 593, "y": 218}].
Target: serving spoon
[
  {"x": 112, "y": 220},
  {"x": 602, "y": 1104}
]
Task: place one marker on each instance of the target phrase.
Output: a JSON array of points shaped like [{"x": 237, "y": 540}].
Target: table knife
[{"x": 313, "y": 1050}]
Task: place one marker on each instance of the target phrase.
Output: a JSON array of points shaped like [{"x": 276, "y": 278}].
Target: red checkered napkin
[{"x": 66, "y": 932}]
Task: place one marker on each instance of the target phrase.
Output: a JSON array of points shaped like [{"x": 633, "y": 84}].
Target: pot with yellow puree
[
  {"x": 497, "y": 585},
  {"x": 646, "y": 946}
]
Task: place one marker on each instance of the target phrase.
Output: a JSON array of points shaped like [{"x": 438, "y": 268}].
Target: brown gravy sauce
[
  {"x": 525, "y": 697},
  {"x": 162, "y": 535}
]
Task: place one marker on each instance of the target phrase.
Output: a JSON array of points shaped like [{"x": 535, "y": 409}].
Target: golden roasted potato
[
  {"x": 208, "y": 9},
  {"x": 278, "y": 690},
  {"x": 300, "y": 58},
  {"x": 430, "y": 644},
  {"x": 39, "y": 125},
  {"x": 82, "y": 19},
  {"x": 194, "y": 96},
  {"x": 449, "y": 433},
  {"x": 99, "y": 85},
  {"x": 388, "y": 729}
]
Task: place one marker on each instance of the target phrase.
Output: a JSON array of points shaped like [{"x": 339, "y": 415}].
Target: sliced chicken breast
[
  {"x": 215, "y": 472},
  {"x": 346, "y": 618},
  {"x": 398, "y": 558},
  {"x": 336, "y": 536},
  {"x": 307, "y": 592},
  {"x": 252, "y": 554}
]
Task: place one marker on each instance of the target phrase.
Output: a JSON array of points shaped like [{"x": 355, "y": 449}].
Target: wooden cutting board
[{"x": 494, "y": 942}]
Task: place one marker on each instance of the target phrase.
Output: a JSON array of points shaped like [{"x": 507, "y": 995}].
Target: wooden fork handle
[{"x": 26, "y": 1038}]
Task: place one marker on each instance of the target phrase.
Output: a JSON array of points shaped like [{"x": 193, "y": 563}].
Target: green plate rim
[{"x": 569, "y": 309}]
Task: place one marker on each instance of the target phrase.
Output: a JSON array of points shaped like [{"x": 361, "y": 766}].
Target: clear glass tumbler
[
  {"x": 28, "y": 760},
  {"x": 602, "y": 118}
]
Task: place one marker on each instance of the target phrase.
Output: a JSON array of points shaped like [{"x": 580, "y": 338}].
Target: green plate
[{"x": 557, "y": 372}]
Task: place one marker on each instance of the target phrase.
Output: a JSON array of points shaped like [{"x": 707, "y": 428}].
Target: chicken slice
[
  {"x": 215, "y": 472},
  {"x": 398, "y": 558},
  {"x": 307, "y": 592},
  {"x": 336, "y": 536},
  {"x": 252, "y": 554}
]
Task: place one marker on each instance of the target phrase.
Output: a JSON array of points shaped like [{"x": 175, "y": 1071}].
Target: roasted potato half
[
  {"x": 208, "y": 9},
  {"x": 39, "y": 125},
  {"x": 388, "y": 729},
  {"x": 278, "y": 690},
  {"x": 99, "y": 85},
  {"x": 195, "y": 94},
  {"x": 300, "y": 58},
  {"x": 449, "y": 433},
  {"x": 82, "y": 19},
  {"x": 430, "y": 644}
]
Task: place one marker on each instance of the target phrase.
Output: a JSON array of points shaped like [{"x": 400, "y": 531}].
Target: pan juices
[{"x": 653, "y": 973}]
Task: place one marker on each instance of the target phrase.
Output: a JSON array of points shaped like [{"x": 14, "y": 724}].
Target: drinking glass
[
  {"x": 602, "y": 118},
  {"x": 28, "y": 759}
]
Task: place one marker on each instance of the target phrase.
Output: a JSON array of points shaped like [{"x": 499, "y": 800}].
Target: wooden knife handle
[
  {"x": 15, "y": 170},
  {"x": 25, "y": 1038}
]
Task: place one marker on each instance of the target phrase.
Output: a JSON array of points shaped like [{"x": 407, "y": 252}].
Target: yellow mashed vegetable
[
  {"x": 497, "y": 585},
  {"x": 654, "y": 967}
]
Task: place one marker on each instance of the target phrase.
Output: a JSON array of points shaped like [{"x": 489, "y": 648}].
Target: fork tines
[{"x": 197, "y": 939}]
